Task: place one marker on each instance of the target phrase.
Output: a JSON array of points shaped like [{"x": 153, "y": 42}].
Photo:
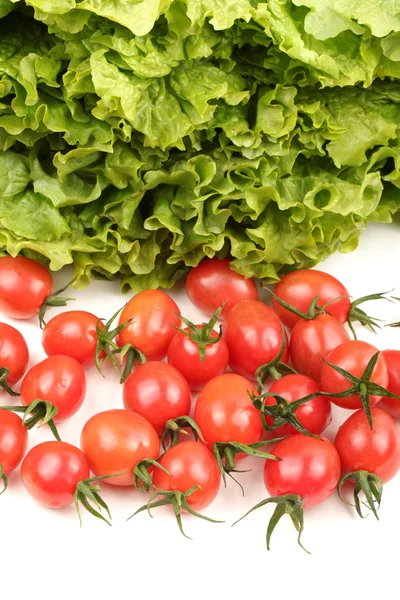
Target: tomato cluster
[{"x": 262, "y": 392}]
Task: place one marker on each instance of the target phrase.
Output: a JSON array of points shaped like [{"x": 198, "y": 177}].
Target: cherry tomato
[
  {"x": 72, "y": 333},
  {"x": 309, "y": 467},
  {"x": 352, "y": 356},
  {"x": 51, "y": 471},
  {"x": 190, "y": 464},
  {"x": 13, "y": 441},
  {"x": 253, "y": 334},
  {"x": 312, "y": 340},
  {"x": 14, "y": 353},
  {"x": 59, "y": 379},
  {"x": 184, "y": 355},
  {"x": 152, "y": 323},
  {"x": 24, "y": 286},
  {"x": 114, "y": 441},
  {"x": 299, "y": 288},
  {"x": 391, "y": 405},
  {"x": 158, "y": 392},
  {"x": 375, "y": 450},
  {"x": 224, "y": 411},
  {"x": 315, "y": 415},
  {"x": 213, "y": 282}
]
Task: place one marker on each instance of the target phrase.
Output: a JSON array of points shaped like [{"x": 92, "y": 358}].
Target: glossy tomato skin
[
  {"x": 309, "y": 467},
  {"x": 24, "y": 286},
  {"x": 299, "y": 288},
  {"x": 312, "y": 340},
  {"x": 375, "y": 450},
  {"x": 152, "y": 323},
  {"x": 225, "y": 413},
  {"x": 190, "y": 464},
  {"x": 14, "y": 353},
  {"x": 353, "y": 356},
  {"x": 158, "y": 392},
  {"x": 51, "y": 471},
  {"x": 59, "y": 379},
  {"x": 391, "y": 405},
  {"x": 314, "y": 415},
  {"x": 114, "y": 441},
  {"x": 72, "y": 333},
  {"x": 253, "y": 334},
  {"x": 13, "y": 441},
  {"x": 213, "y": 282},
  {"x": 184, "y": 355}
]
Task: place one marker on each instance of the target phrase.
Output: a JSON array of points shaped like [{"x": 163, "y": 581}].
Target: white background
[{"x": 45, "y": 554}]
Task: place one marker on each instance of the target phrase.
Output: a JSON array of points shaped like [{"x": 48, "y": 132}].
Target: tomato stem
[
  {"x": 54, "y": 300},
  {"x": 4, "y": 479},
  {"x": 88, "y": 496},
  {"x": 38, "y": 410},
  {"x": 274, "y": 368},
  {"x": 4, "y": 373},
  {"x": 175, "y": 427},
  {"x": 201, "y": 335},
  {"x": 358, "y": 315},
  {"x": 368, "y": 483},
  {"x": 141, "y": 475}
]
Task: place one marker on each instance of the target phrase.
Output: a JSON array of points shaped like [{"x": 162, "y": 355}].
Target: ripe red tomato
[
  {"x": 309, "y": 467},
  {"x": 14, "y": 353},
  {"x": 391, "y": 405},
  {"x": 224, "y": 411},
  {"x": 158, "y": 392},
  {"x": 72, "y": 333},
  {"x": 184, "y": 355},
  {"x": 190, "y": 464},
  {"x": 312, "y": 340},
  {"x": 152, "y": 323},
  {"x": 315, "y": 415},
  {"x": 59, "y": 379},
  {"x": 375, "y": 450},
  {"x": 253, "y": 334},
  {"x": 51, "y": 471},
  {"x": 13, "y": 441},
  {"x": 24, "y": 286},
  {"x": 352, "y": 356},
  {"x": 213, "y": 282},
  {"x": 299, "y": 288},
  {"x": 114, "y": 441}
]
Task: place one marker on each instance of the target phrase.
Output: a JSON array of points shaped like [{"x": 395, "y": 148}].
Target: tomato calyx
[
  {"x": 4, "y": 479},
  {"x": 368, "y": 483},
  {"x": 289, "y": 504},
  {"x": 54, "y": 300},
  {"x": 274, "y": 368},
  {"x": 4, "y": 387},
  {"x": 358, "y": 315},
  {"x": 38, "y": 410},
  {"x": 87, "y": 495},
  {"x": 313, "y": 310},
  {"x": 178, "y": 501},
  {"x": 202, "y": 335},
  {"x": 141, "y": 475},
  {"x": 175, "y": 427}
]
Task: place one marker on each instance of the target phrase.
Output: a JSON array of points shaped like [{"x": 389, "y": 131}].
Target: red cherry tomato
[
  {"x": 312, "y": 340},
  {"x": 114, "y": 441},
  {"x": 51, "y": 471},
  {"x": 309, "y": 467},
  {"x": 375, "y": 450},
  {"x": 315, "y": 415},
  {"x": 391, "y": 405},
  {"x": 24, "y": 286},
  {"x": 253, "y": 334},
  {"x": 152, "y": 323},
  {"x": 190, "y": 464},
  {"x": 13, "y": 441},
  {"x": 72, "y": 333},
  {"x": 158, "y": 392},
  {"x": 184, "y": 355},
  {"x": 14, "y": 353},
  {"x": 352, "y": 356},
  {"x": 299, "y": 288},
  {"x": 59, "y": 379},
  {"x": 224, "y": 411},
  {"x": 213, "y": 282}
]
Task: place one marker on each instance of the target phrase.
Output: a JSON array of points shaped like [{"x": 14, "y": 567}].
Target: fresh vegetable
[
  {"x": 392, "y": 405},
  {"x": 59, "y": 379},
  {"x": 158, "y": 392},
  {"x": 213, "y": 283},
  {"x": 13, "y": 444},
  {"x": 14, "y": 356}
]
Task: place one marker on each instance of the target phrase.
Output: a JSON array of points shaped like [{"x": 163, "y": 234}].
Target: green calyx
[
  {"x": 141, "y": 475},
  {"x": 313, "y": 310},
  {"x": 275, "y": 368},
  {"x": 4, "y": 387},
  {"x": 4, "y": 479},
  {"x": 356, "y": 314},
  {"x": 179, "y": 501},
  {"x": 290, "y": 504},
  {"x": 54, "y": 300},
  {"x": 202, "y": 335},
  {"x": 175, "y": 427},
  {"x": 38, "y": 410},
  {"x": 371, "y": 486},
  {"x": 87, "y": 495}
]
